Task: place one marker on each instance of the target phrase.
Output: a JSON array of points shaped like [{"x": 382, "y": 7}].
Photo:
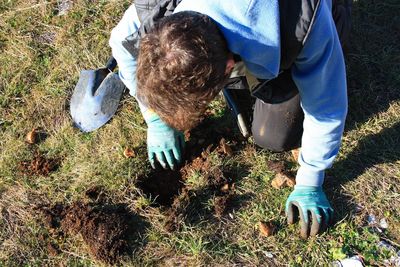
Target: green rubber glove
[
  {"x": 164, "y": 144},
  {"x": 311, "y": 204}
]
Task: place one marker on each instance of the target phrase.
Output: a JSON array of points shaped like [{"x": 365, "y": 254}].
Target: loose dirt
[
  {"x": 167, "y": 188},
  {"x": 106, "y": 229},
  {"x": 219, "y": 186},
  {"x": 39, "y": 165}
]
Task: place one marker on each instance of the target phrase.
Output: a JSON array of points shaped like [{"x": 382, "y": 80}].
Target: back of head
[{"x": 181, "y": 67}]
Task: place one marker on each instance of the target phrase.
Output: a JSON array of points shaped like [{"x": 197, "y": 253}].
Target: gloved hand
[
  {"x": 312, "y": 205},
  {"x": 164, "y": 144}
]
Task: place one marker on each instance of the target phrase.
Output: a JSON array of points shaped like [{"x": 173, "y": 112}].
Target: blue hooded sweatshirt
[{"x": 251, "y": 29}]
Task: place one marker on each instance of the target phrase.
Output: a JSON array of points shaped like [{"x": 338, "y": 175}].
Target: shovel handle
[{"x": 111, "y": 64}]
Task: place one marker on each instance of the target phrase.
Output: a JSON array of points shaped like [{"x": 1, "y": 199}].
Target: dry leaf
[
  {"x": 226, "y": 148},
  {"x": 129, "y": 153},
  {"x": 295, "y": 154},
  {"x": 290, "y": 181},
  {"x": 279, "y": 181},
  {"x": 32, "y": 137},
  {"x": 266, "y": 228},
  {"x": 282, "y": 180},
  {"x": 207, "y": 152}
]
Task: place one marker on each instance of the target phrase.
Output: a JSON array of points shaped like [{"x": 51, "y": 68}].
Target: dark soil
[
  {"x": 221, "y": 204},
  {"x": 106, "y": 229},
  {"x": 161, "y": 186},
  {"x": 175, "y": 215},
  {"x": 167, "y": 187},
  {"x": 277, "y": 166},
  {"x": 39, "y": 165},
  {"x": 282, "y": 167},
  {"x": 96, "y": 194},
  {"x": 208, "y": 133},
  {"x": 53, "y": 249},
  {"x": 219, "y": 185}
]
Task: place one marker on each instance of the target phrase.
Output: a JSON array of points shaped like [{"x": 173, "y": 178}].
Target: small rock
[
  {"x": 371, "y": 219},
  {"x": 64, "y": 6},
  {"x": 268, "y": 254},
  {"x": 383, "y": 223}
]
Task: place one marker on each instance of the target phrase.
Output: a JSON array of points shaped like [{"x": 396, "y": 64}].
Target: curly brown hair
[{"x": 181, "y": 67}]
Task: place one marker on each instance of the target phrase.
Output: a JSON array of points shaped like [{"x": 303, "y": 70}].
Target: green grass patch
[{"x": 41, "y": 55}]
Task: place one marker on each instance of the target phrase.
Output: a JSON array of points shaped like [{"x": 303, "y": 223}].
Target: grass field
[{"x": 41, "y": 55}]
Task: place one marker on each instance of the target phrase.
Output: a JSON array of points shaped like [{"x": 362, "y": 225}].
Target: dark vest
[{"x": 296, "y": 20}]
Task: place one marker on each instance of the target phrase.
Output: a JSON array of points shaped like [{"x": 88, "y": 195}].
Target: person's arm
[
  {"x": 126, "y": 62},
  {"x": 319, "y": 73},
  {"x": 164, "y": 144}
]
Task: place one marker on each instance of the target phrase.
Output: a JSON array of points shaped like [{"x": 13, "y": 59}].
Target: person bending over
[{"x": 293, "y": 63}]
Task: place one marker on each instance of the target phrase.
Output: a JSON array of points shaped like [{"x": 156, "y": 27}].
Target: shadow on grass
[
  {"x": 209, "y": 204},
  {"x": 372, "y": 59},
  {"x": 373, "y": 84},
  {"x": 379, "y": 148}
]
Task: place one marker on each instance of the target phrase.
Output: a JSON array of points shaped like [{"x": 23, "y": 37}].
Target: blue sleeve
[
  {"x": 319, "y": 73},
  {"x": 126, "y": 62}
]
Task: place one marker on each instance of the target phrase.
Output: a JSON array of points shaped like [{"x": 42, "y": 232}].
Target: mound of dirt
[
  {"x": 106, "y": 229},
  {"x": 39, "y": 165}
]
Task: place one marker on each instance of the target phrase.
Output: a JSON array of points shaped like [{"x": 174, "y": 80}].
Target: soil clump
[
  {"x": 39, "y": 165},
  {"x": 106, "y": 229}
]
